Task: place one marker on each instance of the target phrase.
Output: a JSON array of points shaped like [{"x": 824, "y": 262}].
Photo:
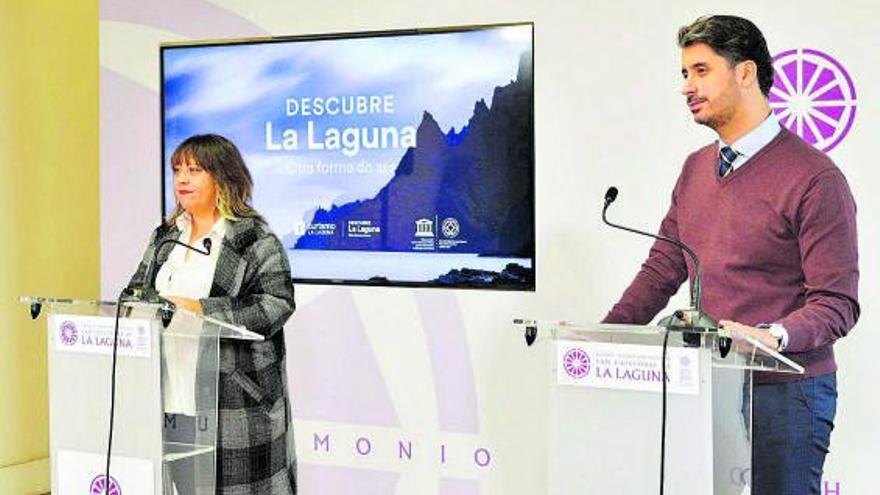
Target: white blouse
[{"x": 186, "y": 274}]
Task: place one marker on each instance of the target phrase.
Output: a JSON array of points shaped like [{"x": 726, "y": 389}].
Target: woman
[{"x": 244, "y": 281}]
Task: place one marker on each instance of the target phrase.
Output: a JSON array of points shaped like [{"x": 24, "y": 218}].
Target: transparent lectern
[
  {"x": 605, "y": 408},
  {"x": 165, "y": 412}
]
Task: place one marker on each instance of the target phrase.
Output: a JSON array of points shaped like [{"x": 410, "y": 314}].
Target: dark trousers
[{"x": 792, "y": 432}]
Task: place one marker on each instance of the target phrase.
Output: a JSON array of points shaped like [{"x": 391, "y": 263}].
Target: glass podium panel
[
  {"x": 606, "y": 410},
  {"x": 165, "y": 407},
  {"x": 746, "y": 353}
]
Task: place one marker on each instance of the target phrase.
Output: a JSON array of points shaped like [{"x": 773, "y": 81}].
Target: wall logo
[
  {"x": 576, "y": 363},
  {"x": 813, "y": 96},
  {"x": 424, "y": 227},
  {"x": 451, "y": 228},
  {"x": 69, "y": 333},
  {"x": 99, "y": 484}
]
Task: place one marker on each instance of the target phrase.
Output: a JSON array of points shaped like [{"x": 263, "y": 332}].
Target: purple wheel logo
[
  {"x": 813, "y": 96},
  {"x": 99, "y": 485},
  {"x": 68, "y": 333},
  {"x": 576, "y": 363}
]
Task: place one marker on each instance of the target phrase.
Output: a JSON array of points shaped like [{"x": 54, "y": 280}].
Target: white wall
[{"x": 446, "y": 367}]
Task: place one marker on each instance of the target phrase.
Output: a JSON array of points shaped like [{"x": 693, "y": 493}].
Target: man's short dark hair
[{"x": 734, "y": 38}]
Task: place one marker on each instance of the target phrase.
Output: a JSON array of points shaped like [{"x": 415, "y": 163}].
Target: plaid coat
[{"x": 252, "y": 287}]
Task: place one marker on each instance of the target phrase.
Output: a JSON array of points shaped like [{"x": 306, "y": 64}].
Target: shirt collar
[
  {"x": 755, "y": 139},
  {"x": 184, "y": 224}
]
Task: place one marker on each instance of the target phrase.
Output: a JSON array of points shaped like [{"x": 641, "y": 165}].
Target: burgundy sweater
[{"x": 777, "y": 241}]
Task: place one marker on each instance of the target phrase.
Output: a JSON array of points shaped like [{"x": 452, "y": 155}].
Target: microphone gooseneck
[
  {"x": 147, "y": 292},
  {"x": 148, "y": 276},
  {"x": 696, "y": 292}
]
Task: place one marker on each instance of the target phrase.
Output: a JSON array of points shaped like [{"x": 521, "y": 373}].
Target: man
[{"x": 773, "y": 221}]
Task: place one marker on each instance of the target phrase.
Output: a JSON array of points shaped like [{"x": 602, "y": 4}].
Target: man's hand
[
  {"x": 738, "y": 331},
  {"x": 187, "y": 304}
]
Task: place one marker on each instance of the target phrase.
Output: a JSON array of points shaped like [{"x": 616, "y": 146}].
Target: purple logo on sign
[
  {"x": 68, "y": 333},
  {"x": 576, "y": 363},
  {"x": 99, "y": 485},
  {"x": 813, "y": 96}
]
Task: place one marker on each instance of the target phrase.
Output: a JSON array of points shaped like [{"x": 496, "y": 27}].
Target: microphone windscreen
[{"x": 610, "y": 195}]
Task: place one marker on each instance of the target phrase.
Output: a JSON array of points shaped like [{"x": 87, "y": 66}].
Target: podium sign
[{"x": 626, "y": 367}]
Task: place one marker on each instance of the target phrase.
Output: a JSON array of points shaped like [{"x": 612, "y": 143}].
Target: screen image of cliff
[
  {"x": 390, "y": 161},
  {"x": 457, "y": 192}
]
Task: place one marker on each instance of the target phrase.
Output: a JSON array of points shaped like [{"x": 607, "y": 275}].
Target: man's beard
[{"x": 719, "y": 118}]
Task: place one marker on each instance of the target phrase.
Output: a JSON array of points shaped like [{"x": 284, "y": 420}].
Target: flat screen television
[{"x": 394, "y": 158}]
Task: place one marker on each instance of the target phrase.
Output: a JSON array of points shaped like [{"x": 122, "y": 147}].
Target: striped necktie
[{"x": 726, "y": 156}]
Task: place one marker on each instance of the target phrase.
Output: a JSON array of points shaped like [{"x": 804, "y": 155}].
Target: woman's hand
[{"x": 187, "y": 304}]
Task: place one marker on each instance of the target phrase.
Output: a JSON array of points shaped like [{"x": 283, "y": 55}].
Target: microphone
[
  {"x": 610, "y": 196},
  {"x": 691, "y": 319}
]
